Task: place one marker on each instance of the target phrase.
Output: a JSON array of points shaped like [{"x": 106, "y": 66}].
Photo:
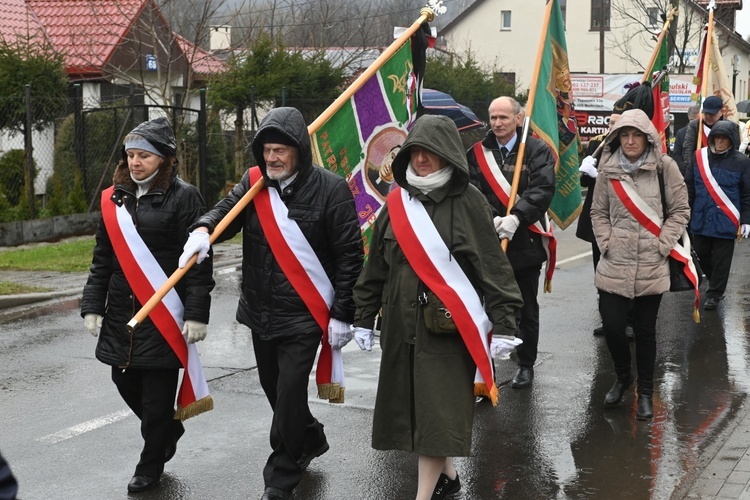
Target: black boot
[
  {"x": 645, "y": 409},
  {"x": 614, "y": 396}
]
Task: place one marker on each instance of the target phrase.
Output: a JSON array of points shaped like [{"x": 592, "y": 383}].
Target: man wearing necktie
[{"x": 536, "y": 188}]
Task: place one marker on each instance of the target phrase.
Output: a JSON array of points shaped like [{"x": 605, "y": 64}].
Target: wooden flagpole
[
  {"x": 650, "y": 67},
  {"x": 527, "y": 119},
  {"x": 706, "y": 71},
  {"x": 426, "y": 15}
]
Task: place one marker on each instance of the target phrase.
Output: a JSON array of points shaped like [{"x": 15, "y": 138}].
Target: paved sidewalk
[{"x": 726, "y": 475}]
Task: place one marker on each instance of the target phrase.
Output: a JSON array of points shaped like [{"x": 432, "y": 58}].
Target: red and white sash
[
  {"x": 501, "y": 187},
  {"x": 649, "y": 219},
  {"x": 307, "y": 276},
  {"x": 431, "y": 260},
  {"x": 145, "y": 276},
  {"x": 718, "y": 195}
]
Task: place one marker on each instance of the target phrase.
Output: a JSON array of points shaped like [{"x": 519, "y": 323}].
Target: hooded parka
[
  {"x": 162, "y": 217},
  {"x": 425, "y": 400},
  {"x": 323, "y": 207},
  {"x": 634, "y": 261},
  {"x": 731, "y": 169}
]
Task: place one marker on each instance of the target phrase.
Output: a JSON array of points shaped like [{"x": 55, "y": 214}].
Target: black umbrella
[
  {"x": 743, "y": 106},
  {"x": 440, "y": 103}
]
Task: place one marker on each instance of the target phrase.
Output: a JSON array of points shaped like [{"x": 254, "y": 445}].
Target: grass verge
[{"x": 7, "y": 288}]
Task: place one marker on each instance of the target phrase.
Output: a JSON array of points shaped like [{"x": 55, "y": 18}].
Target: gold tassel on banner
[
  {"x": 547, "y": 286},
  {"x": 334, "y": 393},
  {"x": 696, "y": 315},
  {"x": 201, "y": 406},
  {"x": 480, "y": 389}
]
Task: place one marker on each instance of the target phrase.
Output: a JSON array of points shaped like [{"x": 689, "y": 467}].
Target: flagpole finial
[
  {"x": 437, "y": 7},
  {"x": 428, "y": 14},
  {"x": 711, "y": 5}
]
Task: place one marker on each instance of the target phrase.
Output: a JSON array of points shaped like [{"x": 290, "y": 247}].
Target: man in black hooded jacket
[{"x": 285, "y": 332}]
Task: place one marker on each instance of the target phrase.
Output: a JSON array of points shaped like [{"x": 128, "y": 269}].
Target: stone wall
[{"x": 52, "y": 229}]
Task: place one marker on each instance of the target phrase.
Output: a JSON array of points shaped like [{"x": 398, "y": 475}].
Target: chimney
[{"x": 221, "y": 37}]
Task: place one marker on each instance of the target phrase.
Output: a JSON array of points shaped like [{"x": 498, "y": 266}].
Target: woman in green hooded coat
[{"x": 425, "y": 398}]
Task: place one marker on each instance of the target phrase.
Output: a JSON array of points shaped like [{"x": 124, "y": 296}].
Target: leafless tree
[{"x": 647, "y": 16}]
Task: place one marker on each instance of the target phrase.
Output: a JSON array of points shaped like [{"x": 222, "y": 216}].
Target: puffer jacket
[
  {"x": 535, "y": 190},
  {"x": 731, "y": 169},
  {"x": 634, "y": 261},
  {"x": 162, "y": 217},
  {"x": 323, "y": 207}
]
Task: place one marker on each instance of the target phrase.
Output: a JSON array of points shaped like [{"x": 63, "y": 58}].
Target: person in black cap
[
  {"x": 309, "y": 212},
  {"x": 712, "y": 113},
  {"x": 145, "y": 220}
]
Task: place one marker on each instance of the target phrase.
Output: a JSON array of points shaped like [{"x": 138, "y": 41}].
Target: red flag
[{"x": 658, "y": 120}]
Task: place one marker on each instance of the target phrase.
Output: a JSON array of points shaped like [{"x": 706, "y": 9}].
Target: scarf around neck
[{"x": 431, "y": 181}]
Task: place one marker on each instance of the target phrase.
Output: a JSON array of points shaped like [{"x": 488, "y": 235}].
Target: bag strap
[{"x": 662, "y": 190}]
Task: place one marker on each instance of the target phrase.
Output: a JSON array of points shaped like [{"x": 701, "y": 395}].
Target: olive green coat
[{"x": 425, "y": 399}]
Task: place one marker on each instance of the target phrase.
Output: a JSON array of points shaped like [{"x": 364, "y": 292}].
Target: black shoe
[
  {"x": 614, "y": 396},
  {"x": 307, "y": 456},
  {"x": 142, "y": 483},
  {"x": 271, "y": 493},
  {"x": 177, "y": 433},
  {"x": 645, "y": 409},
  {"x": 629, "y": 332},
  {"x": 524, "y": 377},
  {"x": 599, "y": 331},
  {"x": 711, "y": 304},
  {"x": 446, "y": 486}
]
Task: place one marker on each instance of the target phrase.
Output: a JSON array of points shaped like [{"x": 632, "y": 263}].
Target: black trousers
[
  {"x": 615, "y": 310},
  {"x": 527, "y": 318},
  {"x": 716, "y": 260},
  {"x": 284, "y": 367},
  {"x": 151, "y": 395}
]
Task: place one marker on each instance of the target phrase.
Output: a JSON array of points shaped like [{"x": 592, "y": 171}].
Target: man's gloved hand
[
  {"x": 363, "y": 337},
  {"x": 502, "y": 345},
  {"x": 588, "y": 167},
  {"x": 339, "y": 333},
  {"x": 93, "y": 323},
  {"x": 197, "y": 243},
  {"x": 506, "y": 226},
  {"x": 745, "y": 230},
  {"x": 195, "y": 330}
]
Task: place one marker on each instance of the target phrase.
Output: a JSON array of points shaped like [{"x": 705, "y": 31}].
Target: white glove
[
  {"x": 506, "y": 226},
  {"x": 195, "y": 330},
  {"x": 339, "y": 333},
  {"x": 363, "y": 337},
  {"x": 502, "y": 345},
  {"x": 745, "y": 230},
  {"x": 197, "y": 243},
  {"x": 588, "y": 167},
  {"x": 93, "y": 323}
]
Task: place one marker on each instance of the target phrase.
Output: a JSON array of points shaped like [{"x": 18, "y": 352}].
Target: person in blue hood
[{"x": 718, "y": 185}]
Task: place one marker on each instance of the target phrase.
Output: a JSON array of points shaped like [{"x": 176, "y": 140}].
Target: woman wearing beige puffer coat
[{"x": 633, "y": 265}]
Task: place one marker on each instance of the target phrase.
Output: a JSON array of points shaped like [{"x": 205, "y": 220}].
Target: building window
[
  {"x": 653, "y": 17},
  {"x": 599, "y": 14},
  {"x": 505, "y": 20}
]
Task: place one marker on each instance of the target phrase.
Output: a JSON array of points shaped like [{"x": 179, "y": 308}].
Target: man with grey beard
[{"x": 302, "y": 247}]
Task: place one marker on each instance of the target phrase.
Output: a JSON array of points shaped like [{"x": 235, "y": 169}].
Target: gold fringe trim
[
  {"x": 334, "y": 393},
  {"x": 480, "y": 389},
  {"x": 547, "y": 286},
  {"x": 696, "y": 315},
  {"x": 201, "y": 406}
]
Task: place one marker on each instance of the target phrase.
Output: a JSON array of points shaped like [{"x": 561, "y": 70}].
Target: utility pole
[{"x": 602, "y": 5}]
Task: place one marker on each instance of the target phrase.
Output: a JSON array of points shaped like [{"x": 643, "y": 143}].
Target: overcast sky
[{"x": 743, "y": 20}]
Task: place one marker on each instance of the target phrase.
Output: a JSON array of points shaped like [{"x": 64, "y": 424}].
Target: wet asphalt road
[{"x": 67, "y": 434}]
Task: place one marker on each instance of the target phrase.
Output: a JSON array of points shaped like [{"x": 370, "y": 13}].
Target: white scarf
[
  {"x": 143, "y": 185},
  {"x": 431, "y": 181}
]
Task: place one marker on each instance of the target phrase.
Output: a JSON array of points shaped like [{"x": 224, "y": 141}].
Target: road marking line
[
  {"x": 79, "y": 429},
  {"x": 575, "y": 257}
]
